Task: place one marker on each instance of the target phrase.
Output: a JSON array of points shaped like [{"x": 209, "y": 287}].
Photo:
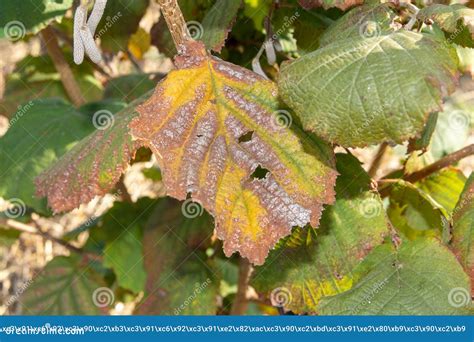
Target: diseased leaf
[
  {"x": 213, "y": 127},
  {"x": 414, "y": 213},
  {"x": 358, "y": 92},
  {"x": 40, "y": 133},
  {"x": 20, "y": 17},
  {"x": 311, "y": 264},
  {"x": 419, "y": 278},
  {"x": 180, "y": 279},
  {"x": 94, "y": 165},
  {"x": 341, "y": 4},
  {"x": 64, "y": 287},
  {"x": 368, "y": 20},
  {"x": 456, "y": 20},
  {"x": 218, "y": 22},
  {"x": 463, "y": 230}
]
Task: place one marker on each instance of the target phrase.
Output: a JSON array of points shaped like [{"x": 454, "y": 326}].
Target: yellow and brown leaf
[{"x": 212, "y": 125}]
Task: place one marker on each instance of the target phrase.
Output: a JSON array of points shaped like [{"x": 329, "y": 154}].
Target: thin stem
[
  {"x": 65, "y": 72},
  {"x": 440, "y": 164},
  {"x": 239, "y": 307},
  {"x": 379, "y": 157},
  {"x": 448, "y": 160},
  {"x": 24, "y": 228},
  {"x": 175, "y": 20}
]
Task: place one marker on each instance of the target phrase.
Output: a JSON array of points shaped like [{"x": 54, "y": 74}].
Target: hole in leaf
[
  {"x": 246, "y": 137},
  {"x": 259, "y": 173}
]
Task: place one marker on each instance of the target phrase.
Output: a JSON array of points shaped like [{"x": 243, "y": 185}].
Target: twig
[
  {"x": 440, "y": 164},
  {"x": 379, "y": 157},
  {"x": 24, "y": 228},
  {"x": 175, "y": 20},
  {"x": 65, "y": 72},
  {"x": 448, "y": 160},
  {"x": 239, "y": 307}
]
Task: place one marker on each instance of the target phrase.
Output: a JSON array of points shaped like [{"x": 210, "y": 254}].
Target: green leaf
[
  {"x": 424, "y": 140},
  {"x": 358, "y": 92},
  {"x": 312, "y": 264},
  {"x": 64, "y": 287},
  {"x": 369, "y": 20},
  {"x": 420, "y": 278},
  {"x": 298, "y": 30},
  {"x": 20, "y": 17},
  {"x": 119, "y": 236},
  {"x": 130, "y": 87},
  {"x": 8, "y": 236},
  {"x": 444, "y": 187},
  {"x": 456, "y": 20},
  {"x": 112, "y": 106},
  {"x": 463, "y": 229},
  {"x": 125, "y": 257},
  {"x": 119, "y": 22},
  {"x": 118, "y": 219},
  {"x": 39, "y": 134},
  {"x": 218, "y": 22},
  {"x": 37, "y": 77},
  {"x": 228, "y": 273},
  {"x": 257, "y": 10},
  {"x": 180, "y": 278},
  {"x": 94, "y": 165},
  {"x": 414, "y": 213}
]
